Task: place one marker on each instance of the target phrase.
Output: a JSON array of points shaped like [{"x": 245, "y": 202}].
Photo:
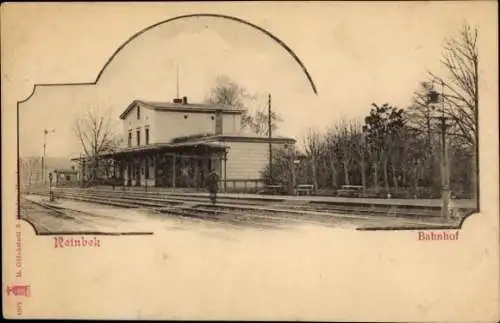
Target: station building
[
  {"x": 65, "y": 176},
  {"x": 177, "y": 144}
]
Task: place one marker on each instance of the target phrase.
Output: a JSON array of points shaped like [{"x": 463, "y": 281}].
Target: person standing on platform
[{"x": 213, "y": 185}]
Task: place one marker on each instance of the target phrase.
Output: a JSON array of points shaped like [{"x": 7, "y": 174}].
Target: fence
[
  {"x": 230, "y": 185},
  {"x": 401, "y": 192}
]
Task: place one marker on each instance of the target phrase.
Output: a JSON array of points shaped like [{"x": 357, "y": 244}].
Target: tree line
[{"x": 400, "y": 150}]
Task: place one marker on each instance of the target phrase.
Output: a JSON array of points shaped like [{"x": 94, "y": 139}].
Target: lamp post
[
  {"x": 445, "y": 177},
  {"x": 368, "y": 142},
  {"x": 82, "y": 165},
  {"x": 269, "y": 126},
  {"x": 45, "y": 133},
  {"x": 292, "y": 162},
  {"x": 51, "y": 196},
  {"x": 434, "y": 97},
  {"x": 364, "y": 148},
  {"x": 295, "y": 163},
  {"x": 146, "y": 172}
]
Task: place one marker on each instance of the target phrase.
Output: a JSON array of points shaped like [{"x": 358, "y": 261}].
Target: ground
[{"x": 69, "y": 216}]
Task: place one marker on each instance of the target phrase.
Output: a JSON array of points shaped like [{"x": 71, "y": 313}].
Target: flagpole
[
  {"x": 45, "y": 133},
  {"x": 270, "y": 144},
  {"x": 43, "y": 156}
]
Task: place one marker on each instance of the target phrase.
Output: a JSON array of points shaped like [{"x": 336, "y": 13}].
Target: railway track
[
  {"x": 192, "y": 208},
  {"x": 196, "y": 212},
  {"x": 197, "y": 206},
  {"x": 159, "y": 199},
  {"x": 165, "y": 197},
  {"x": 249, "y": 213},
  {"x": 47, "y": 217},
  {"x": 55, "y": 210}
]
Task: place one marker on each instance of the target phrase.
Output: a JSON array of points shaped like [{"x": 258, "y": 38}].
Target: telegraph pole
[
  {"x": 45, "y": 133},
  {"x": 43, "y": 160},
  {"x": 270, "y": 138},
  {"x": 445, "y": 176},
  {"x": 81, "y": 169},
  {"x": 293, "y": 162}
]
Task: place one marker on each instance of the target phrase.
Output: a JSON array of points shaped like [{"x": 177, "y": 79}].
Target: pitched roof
[
  {"x": 252, "y": 138},
  {"x": 208, "y": 137},
  {"x": 200, "y": 140},
  {"x": 184, "y": 107}
]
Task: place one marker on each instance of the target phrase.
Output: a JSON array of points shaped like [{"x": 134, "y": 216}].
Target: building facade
[
  {"x": 177, "y": 144},
  {"x": 65, "y": 176}
]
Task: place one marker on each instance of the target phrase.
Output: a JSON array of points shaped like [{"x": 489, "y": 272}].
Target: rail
[{"x": 130, "y": 199}]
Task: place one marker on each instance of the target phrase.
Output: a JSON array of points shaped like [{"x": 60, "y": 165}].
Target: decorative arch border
[
  {"x": 213, "y": 15},
  {"x": 239, "y": 20}
]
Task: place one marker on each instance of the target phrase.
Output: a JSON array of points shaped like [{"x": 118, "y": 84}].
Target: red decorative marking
[{"x": 19, "y": 290}]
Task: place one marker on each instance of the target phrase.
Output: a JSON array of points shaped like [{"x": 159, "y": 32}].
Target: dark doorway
[
  {"x": 137, "y": 174},
  {"x": 129, "y": 174}
]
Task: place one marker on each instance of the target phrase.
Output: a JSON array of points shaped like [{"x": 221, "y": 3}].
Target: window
[
  {"x": 130, "y": 138},
  {"x": 147, "y": 136},
  {"x": 138, "y": 137},
  {"x": 138, "y": 112}
]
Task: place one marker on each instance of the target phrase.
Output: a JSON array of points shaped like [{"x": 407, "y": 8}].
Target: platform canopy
[
  {"x": 195, "y": 147},
  {"x": 168, "y": 147}
]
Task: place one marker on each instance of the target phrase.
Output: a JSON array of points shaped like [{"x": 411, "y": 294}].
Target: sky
[{"x": 356, "y": 53}]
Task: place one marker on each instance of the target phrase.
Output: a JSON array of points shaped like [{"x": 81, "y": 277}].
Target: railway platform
[{"x": 464, "y": 204}]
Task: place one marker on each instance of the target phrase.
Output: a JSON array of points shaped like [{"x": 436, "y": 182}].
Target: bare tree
[
  {"x": 345, "y": 138},
  {"x": 353, "y": 149},
  {"x": 312, "y": 142},
  {"x": 358, "y": 145},
  {"x": 419, "y": 114},
  {"x": 461, "y": 90},
  {"x": 461, "y": 59},
  {"x": 227, "y": 91},
  {"x": 94, "y": 131},
  {"x": 331, "y": 154},
  {"x": 260, "y": 122}
]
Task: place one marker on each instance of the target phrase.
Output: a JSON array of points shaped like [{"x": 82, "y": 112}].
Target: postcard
[{"x": 312, "y": 161}]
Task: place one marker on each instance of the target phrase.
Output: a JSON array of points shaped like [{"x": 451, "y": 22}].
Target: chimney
[
  {"x": 218, "y": 122},
  {"x": 184, "y": 100}
]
